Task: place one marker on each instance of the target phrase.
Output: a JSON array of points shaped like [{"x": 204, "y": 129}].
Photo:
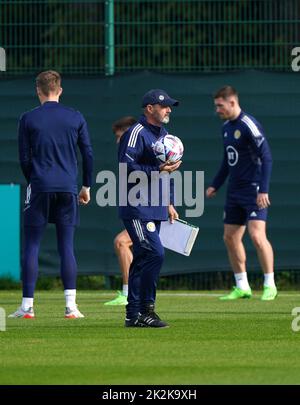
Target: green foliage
[
  {"x": 67, "y": 36},
  {"x": 9, "y": 284},
  {"x": 83, "y": 283},
  {"x": 285, "y": 280},
  {"x": 183, "y": 35}
]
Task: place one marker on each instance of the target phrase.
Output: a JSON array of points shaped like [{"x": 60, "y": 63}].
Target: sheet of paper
[{"x": 179, "y": 236}]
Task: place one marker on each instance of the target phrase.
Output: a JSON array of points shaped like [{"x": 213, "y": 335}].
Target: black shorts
[{"x": 56, "y": 208}]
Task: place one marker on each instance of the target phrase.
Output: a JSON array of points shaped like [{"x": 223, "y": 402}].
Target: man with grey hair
[{"x": 142, "y": 221}]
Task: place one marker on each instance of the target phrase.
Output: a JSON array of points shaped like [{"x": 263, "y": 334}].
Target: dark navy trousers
[
  {"x": 32, "y": 239},
  {"x": 41, "y": 208},
  {"x": 148, "y": 257}
]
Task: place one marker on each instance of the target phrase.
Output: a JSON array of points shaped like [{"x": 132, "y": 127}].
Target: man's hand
[
  {"x": 211, "y": 192},
  {"x": 170, "y": 167},
  {"x": 262, "y": 200},
  {"x": 84, "y": 195},
  {"x": 173, "y": 214}
]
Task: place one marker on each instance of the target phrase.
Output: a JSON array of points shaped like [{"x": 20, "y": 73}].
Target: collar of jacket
[{"x": 157, "y": 131}]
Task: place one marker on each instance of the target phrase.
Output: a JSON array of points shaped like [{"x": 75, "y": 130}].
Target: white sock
[
  {"x": 242, "y": 281},
  {"x": 27, "y": 303},
  {"x": 269, "y": 280},
  {"x": 125, "y": 290},
  {"x": 70, "y": 296}
]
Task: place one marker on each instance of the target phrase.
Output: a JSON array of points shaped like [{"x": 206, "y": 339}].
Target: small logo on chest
[{"x": 237, "y": 134}]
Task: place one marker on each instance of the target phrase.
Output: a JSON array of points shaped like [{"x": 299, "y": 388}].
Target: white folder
[{"x": 179, "y": 236}]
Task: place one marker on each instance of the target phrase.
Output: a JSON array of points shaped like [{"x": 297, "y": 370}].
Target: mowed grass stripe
[{"x": 208, "y": 342}]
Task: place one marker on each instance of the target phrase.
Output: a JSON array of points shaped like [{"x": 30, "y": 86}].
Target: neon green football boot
[
  {"x": 237, "y": 293},
  {"x": 119, "y": 300},
  {"x": 269, "y": 293}
]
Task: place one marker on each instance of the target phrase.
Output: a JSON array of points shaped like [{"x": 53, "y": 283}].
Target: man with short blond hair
[
  {"x": 48, "y": 82},
  {"x": 49, "y": 136}
]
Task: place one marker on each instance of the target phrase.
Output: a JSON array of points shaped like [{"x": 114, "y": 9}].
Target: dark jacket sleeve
[
  {"x": 262, "y": 150},
  {"x": 86, "y": 151},
  {"x": 25, "y": 153}
]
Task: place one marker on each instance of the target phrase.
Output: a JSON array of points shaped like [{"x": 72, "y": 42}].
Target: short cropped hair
[
  {"x": 226, "y": 92},
  {"x": 123, "y": 123},
  {"x": 48, "y": 82}
]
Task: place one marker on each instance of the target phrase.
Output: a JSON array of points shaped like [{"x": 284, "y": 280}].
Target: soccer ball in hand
[{"x": 168, "y": 148}]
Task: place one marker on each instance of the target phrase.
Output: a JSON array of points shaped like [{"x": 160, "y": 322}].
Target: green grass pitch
[{"x": 208, "y": 342}]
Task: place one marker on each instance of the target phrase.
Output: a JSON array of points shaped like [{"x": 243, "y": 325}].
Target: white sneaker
[
  {"x": 73, "y": 313},
  {"x": 21, "y": 313}
]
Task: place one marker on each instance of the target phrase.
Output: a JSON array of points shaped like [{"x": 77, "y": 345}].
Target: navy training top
[
  {"x": 247, "y": 157},
  {"x": 48, "y": 140},
  {"x": 136, "y": 151}
]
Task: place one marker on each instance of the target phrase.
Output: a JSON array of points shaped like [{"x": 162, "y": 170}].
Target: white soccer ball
[{"x": 168, "y": 148}]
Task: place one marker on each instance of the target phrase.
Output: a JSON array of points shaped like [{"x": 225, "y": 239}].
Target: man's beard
[{"x": 166, "y": 120}]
